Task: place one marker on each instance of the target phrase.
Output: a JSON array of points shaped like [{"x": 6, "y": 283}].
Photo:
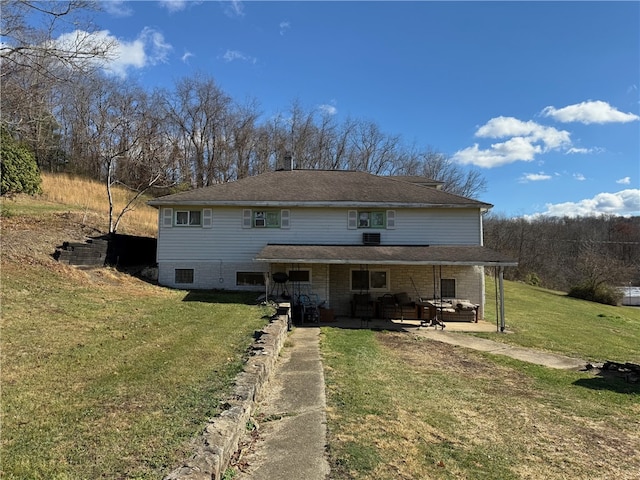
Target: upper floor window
[
  {"x": 371, "y": 219},
  {"x": 170, "y": 217},
  {"x": 189, "y": 217},
  {"x": 266, "y": 218}
]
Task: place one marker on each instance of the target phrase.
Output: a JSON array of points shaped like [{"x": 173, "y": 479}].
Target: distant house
[{"x": 331, "y": 233}]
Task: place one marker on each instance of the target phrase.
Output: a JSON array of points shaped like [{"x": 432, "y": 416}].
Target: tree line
[
  {"x": 586, "y": 255},
  {"x": 57, "y": 101}
]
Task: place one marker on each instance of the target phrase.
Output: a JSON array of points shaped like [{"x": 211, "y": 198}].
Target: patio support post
[{"x": 501, "y": 283}]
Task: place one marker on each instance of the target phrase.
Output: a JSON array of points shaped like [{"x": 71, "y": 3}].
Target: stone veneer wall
[{"x": 221, "y": 436}]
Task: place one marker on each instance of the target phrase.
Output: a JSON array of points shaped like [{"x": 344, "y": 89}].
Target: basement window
[
  {"x": 244, "y": 279},
  {"x": 184, "y": 275}
]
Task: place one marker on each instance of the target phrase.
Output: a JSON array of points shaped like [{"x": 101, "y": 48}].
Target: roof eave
[{"x": 340, "y": 204}]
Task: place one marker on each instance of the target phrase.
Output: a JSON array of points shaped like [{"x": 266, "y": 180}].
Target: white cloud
[
  {"x": 534, "y": 177},
  {"x": 527, "y": 140},
  {"x": 187, "y": 55},
  {"x": 499, "y": 154},
  {"x": 573, "y": 150},
  {"x": 233, "y": 8},
  {"x": 284, "y": 26},
  {"x": 117, "y": 8},
  {"x": 174, "y": 5},
  {"x": 624, "y": 203},
  {"x": 624, "y": 181},
  {"x": 579, "y": 177},
  {"x": 231, "y": 55},
  {"x": 502, "y": 127},
  {"x": 589, "y": 112},
  {"x": 328, "y": 109},
  {"x": 149, "y": 48}
]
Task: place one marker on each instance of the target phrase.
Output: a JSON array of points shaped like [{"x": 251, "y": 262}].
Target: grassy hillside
[
  {"x": 103, "y": 375},
  {"x": 550, "y": 320},
  {"x": 90, "y": 198}
]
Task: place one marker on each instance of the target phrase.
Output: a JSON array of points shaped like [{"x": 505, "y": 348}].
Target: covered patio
[{"x": 338, "y": 274}]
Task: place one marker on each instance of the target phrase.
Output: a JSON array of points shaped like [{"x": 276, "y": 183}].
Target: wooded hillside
[{"x": 560, "y": 253}]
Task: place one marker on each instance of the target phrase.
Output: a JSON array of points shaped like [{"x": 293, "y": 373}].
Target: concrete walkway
[
  {"x": 291, "y": 438},
  {"x": 291, "y": 416},
  {"x": 537, "y": 357}
]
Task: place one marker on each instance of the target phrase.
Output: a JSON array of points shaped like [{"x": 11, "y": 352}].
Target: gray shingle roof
[
  {"x": 318, "y": 187},
  {"x": 385, "y": 254}
]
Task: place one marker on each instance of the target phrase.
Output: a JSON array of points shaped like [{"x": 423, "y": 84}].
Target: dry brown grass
[{"x": 90, "y": 197}]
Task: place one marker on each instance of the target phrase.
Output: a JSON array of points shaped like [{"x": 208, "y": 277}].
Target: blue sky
[{"x": 542, "y": 97}]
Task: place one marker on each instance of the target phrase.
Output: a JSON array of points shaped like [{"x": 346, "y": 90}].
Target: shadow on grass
[
  {"x": 221, "y": 296},
  {"x": 611, "y": 383}
]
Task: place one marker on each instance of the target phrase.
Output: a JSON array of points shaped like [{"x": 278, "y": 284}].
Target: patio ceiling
[{"x": 469, "y": 255}]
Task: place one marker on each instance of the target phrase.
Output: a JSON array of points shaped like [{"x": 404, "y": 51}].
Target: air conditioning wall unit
[{"x": 371, "y": 238}]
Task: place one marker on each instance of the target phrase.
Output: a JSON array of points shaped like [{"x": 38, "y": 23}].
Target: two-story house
[{"x": 331, "y": 233}]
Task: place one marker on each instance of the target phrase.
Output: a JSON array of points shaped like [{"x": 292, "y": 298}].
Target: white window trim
[
  {"x": 188, "y": 224},
  {"x": 249, "y": 218},
  {"x": 353, "y": 219}
]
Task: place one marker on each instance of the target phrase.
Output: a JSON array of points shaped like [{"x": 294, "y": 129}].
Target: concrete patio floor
[{"x": 409, "y": 325}]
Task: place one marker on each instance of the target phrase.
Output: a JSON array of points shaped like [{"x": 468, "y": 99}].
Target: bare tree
[
  {"x": 371, "y": 150},
  {"x": 28, "y": 30},
  {"x": 198, "y": 110},
  {"x": 242, "y": 140},
  {"x": 437, "y": 166}
]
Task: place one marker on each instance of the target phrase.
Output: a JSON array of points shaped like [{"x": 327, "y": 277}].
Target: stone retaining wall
[{"x": 222, "y": 434}]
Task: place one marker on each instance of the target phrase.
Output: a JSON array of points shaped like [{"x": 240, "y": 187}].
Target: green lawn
[
  {"x": 550, "y": 320},
  {"x": 403, "y": 407},
  {"x": 105, "y": 376}
]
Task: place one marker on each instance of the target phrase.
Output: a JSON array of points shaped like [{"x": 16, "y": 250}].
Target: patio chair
[{"x": 310, "y": 308}]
